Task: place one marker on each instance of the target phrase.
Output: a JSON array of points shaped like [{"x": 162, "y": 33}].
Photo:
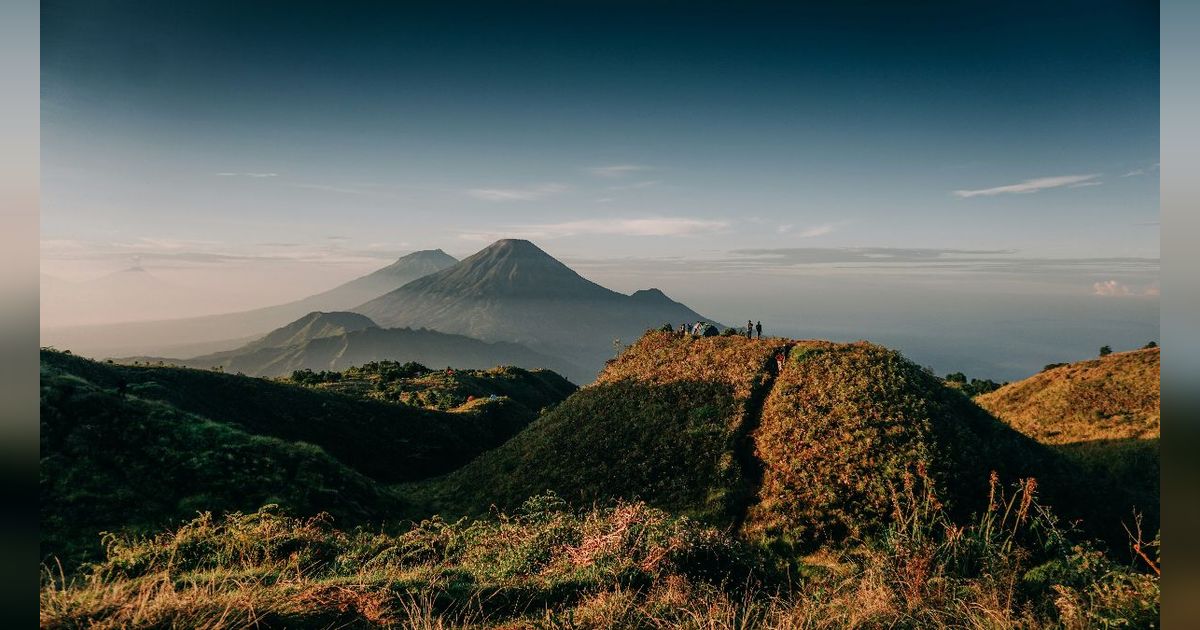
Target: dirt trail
[{"x": 744, "y": 447}]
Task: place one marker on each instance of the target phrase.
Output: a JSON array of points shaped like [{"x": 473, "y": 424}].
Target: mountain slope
[
  {"x": 513, "y": 291},
  {"x": 336, "y": 341},
  {"x": 124, "y": 463},
  {"x": 388, "y": 442},
  {"x": 708, "y": 428},
  {"x": 196, "y": 335},
  {"x": 662, "y": 423},
  {"x": 1112, "y": 397}
]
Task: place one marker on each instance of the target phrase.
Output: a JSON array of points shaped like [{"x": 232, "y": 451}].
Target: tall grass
[{"x": 630, "y": 566}]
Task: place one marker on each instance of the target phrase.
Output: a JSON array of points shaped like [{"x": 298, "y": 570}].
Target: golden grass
[{"x": 1109, "y": 398}]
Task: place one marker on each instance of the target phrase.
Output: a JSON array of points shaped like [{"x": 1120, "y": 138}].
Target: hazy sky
[{"x": 266, "y": 150}]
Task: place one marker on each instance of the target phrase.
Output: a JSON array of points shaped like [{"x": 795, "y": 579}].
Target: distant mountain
[
  {"x": 513, "y": 291},
  {"x": 339, "y": 340},
  {"x": 181, "y": 337}
]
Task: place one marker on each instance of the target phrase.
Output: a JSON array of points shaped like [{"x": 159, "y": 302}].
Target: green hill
[
  {"x": 663, "y": 423},
  {"x": 122, "y": 463},
  {"x": 388, "y": 442},
  {"x": 414, "y": 384},
  {"x": 848, "y": 425},
  {"x": 141, "y": 447},
  {"x": 705, "y": 427}
]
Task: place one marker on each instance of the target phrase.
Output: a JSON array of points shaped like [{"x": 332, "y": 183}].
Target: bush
[{"x": 1105, "y": 350}]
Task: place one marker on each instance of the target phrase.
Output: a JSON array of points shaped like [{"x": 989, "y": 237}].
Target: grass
[
  {"x": 661, "y": 424},
  {"x": 629, "y": 566},
  {"x": 844, "y": 423},
  {"x": 1115, "y": 397}
]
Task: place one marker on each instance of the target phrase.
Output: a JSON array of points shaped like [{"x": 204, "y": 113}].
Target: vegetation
[
  {"x": 140, "y": 448},
  {"x": 716, "y": 482},
  {"x": 414, "y": 384},
  {"x": 665, "y": 423},
  {"x": 628, "y": 566},
  {"x": 844, "y": 423},
  {"x": 974, "y": 387},
  {"x": 1112, "y": 398}
]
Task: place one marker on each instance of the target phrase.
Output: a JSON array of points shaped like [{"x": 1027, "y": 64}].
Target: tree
[{"x": 1105, "y": 350}]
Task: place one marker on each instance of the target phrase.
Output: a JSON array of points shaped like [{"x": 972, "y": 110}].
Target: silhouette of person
[
  {"x": 749, "y": 329},
  {"x": 759, "y": 329}
]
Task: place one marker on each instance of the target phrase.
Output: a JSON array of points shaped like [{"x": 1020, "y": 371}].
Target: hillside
[
  {"x": 308, "y": 449},
  {"x": 706, "y": 427},
  {"x": 663, "y": 423},
  {"x": 212, "y": 333},
  {"x": 124, "y": 463},
  {"x": 340, "y": 340},
  {"x": 847, "y": 425},
  {"x": 1110, "y": 398},
  {"x": 513, "y": 291},
  {"x": 415, "y": 384}
]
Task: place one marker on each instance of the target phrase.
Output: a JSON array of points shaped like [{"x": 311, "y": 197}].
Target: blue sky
[{"x": 312, "y": 142}]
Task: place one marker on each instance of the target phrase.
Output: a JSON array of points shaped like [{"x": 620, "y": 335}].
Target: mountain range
[
  {"x": 339, "y": 340},
  {"x": 211, "y": 333},
  {"x": 513, "y": 291}
]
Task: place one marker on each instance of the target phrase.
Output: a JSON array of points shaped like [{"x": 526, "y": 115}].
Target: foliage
[
  {"x": 974, "y": 387},
  {"x": 548, "y": 566},
  {"x": 1113, "y": 398},
  {"x": 845, "y": 421},
  {"x": 662, "y": 424}
]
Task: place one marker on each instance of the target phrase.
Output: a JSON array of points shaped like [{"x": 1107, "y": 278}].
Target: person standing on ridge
[
  {"x": 749, "y": 329},
  {"x": 759, "y": 329}
]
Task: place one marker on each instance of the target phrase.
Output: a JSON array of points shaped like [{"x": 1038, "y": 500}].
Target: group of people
[{"x": 705, "y": 329}]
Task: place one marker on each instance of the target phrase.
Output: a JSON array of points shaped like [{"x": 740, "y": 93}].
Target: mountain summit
[
  {"x": 511, "y": 268},
  {"x": 514, "y": 291}
]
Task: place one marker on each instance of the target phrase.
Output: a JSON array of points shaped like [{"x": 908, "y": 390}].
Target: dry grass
[{"x": 1110, "y": 398}]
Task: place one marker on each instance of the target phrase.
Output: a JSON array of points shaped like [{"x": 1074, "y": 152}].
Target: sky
[{"x": 847, "y": 167}]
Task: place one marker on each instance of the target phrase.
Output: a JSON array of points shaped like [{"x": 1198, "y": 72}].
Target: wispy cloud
[
  {"x": 646, "y": 226},
  {"x": 816, "y": 230},
  {"x": 517, "y": 194},
  {"x": 616, "y": 170},
  {"x": 636, "y": 185},
  {"x": 1141, "y": 171},
  {"x": 1113, "y": 288},
  {"x": 1030, "y": 186},
  {"x": 254, "y": 175}
]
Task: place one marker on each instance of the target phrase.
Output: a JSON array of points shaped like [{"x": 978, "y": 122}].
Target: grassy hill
[
  {"x": 1110, "y": 398},
  {"x": 847, "y": 426},
  {"x": 142, "y": 447},
  {"x": 663, "y": 423},
  {"x": 707, "y": 428},
  {"x": 414, "y": 384},
  {"x": 1103, "y": 415},
  {"x": 123, "y": 463},
  {"x": 386, "y": 441}
]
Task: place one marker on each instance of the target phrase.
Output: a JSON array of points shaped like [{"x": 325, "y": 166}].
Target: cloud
[
  {"x": 1085, "y": 184},
  {"x": 517, "y": 194},
  {"x": 1112, "y": 288},
  {"x": 616, "y": 170},
  {"x": 1029, "y": 186},
  {"x": 816, "y": 230},
  {"x": 636, "y": 185},
  {"x": 254, "y": 175},
  {"x": 648, "y": 226},
  {"x": 1141, "y": 171}
]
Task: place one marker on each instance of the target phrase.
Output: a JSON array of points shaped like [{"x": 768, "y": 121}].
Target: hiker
[
  {"x": 779, "y": 360},
  {"x": 698, "y": 329},
  {"x": 683, "y": 330},
  {"x": 749, "y": 329},
  {"x": 759, "y": 328}
]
